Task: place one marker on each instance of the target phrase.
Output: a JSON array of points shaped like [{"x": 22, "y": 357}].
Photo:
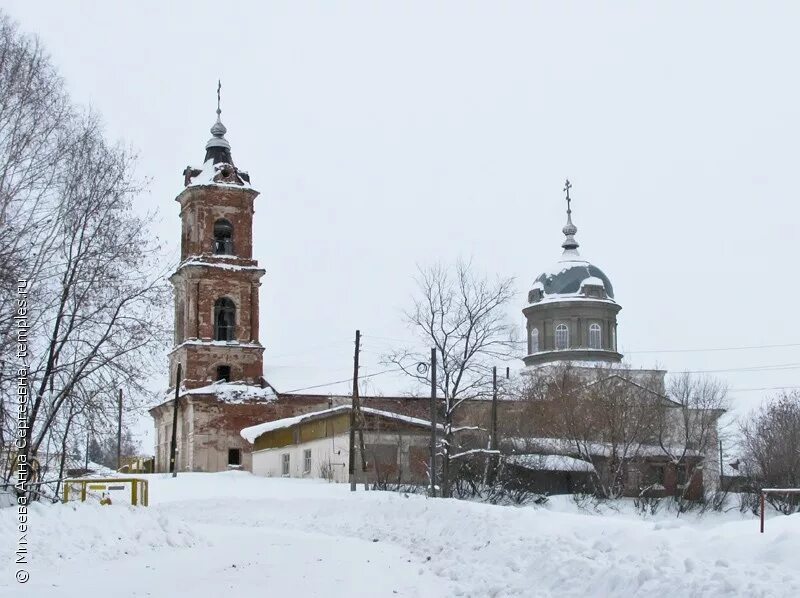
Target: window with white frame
[
  {"x": 285, "y": 464},
  {"x": 307, "y": 461},
  {"x": 595, "y": 336},
  {"x": 562, "y": 336},
  {"x": 534, "y": 340}
]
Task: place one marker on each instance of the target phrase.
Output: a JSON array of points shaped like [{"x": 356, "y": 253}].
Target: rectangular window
[
  {"x": 235, "y": 457},
  {"x": 307, "y": 461},
  {"x": 285, "y": 464}
]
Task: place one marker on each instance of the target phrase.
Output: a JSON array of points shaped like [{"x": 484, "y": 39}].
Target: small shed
[
  {"x": 549, "y": 474},
  {"x": 316, "y": 445}
]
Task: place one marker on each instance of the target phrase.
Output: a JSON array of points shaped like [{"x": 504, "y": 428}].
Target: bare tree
[
  {"x": 688, "y": 426},
  {"x": 599, "y": 415},
  {"x": 95, "y": 302},
  {"x": 463, "y": 315},
  {"x": 35, "y": 116},
  {"x": 770, "y": 441}
]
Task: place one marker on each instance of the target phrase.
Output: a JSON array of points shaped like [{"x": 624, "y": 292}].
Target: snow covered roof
[
  {"x": 199, "y": 261},
  {"x": 217, "y": 174},
  {"x": 228, "y": 392},
  {"x": 574, "y": 363},
  {"x": 233, "y": 392},
  {"x": 251, "y": 433},
  {"x": 550, "y": 462},
  {"x": 567, "y": 447},
  {"x": 213, "y": 343}
]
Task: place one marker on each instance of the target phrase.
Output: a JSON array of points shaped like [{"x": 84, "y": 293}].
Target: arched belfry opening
[
  {"x": 224, "y": 319},
  {"x": 223, "y": 373},
  {"x": 223, "y": 237}
]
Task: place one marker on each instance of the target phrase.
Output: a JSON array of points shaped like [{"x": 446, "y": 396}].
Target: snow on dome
[
  {"x": 569, "y": 274},
  {"x": 593, "y": 281}
]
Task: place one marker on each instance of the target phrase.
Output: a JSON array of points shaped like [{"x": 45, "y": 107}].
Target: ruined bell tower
[{"x": 217, "y": 281}]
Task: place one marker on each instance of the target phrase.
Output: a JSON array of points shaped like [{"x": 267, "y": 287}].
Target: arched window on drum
[
  {"x": 562, "y": 337},
  {"x": 534, "y": 340},
  {"x": 595, "y": 336}
]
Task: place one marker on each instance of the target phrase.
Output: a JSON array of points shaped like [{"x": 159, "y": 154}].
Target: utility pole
[
  {"x": 173, "y": 466},
  {"x": 493, "y": 429},
  {"x": 493, "y": 445},
  {"x": 88, "y": 439},
  {"x": 433, "y": 423},
  {"x": 119, "y": 432},
  {"x": 351, "y": 461}
]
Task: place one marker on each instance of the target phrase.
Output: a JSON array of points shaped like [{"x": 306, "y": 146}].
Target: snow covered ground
[{"x": 212, "y": 535}]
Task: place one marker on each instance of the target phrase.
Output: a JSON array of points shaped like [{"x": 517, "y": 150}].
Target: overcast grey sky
[{"x": 386, "y": 134}]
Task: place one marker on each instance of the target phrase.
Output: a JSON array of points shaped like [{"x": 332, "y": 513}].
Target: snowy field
[{"x": 213, "y": 535}]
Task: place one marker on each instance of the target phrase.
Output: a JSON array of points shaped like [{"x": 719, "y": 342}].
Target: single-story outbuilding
[
  {"x": 316, "y": 445},
  {"x": 549, "y": 474}
]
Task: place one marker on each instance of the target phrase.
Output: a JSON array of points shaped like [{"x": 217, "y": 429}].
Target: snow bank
[
  {"x": 87, "y": 532},
  {"x": 483, "y": 550},
  {"x": 320, "y": 539}
]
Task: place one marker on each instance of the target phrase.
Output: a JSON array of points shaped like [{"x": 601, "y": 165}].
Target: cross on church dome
[{"x": 569, "y": 230}]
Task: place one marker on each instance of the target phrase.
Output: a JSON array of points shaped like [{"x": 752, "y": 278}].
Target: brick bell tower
[{"x": 216, "y": 283}]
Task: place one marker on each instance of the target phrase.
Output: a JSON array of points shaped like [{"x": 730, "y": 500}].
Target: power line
[
  {"x": 741, "y": 348},
  {"x": 343, "y": 381},
  {"x": 763, "y": 388},
  {"x": 389, "y": 338},
  {"x": 760, "y": 368},
  {"x": 307, "y": 350},
  {"x": 708, "y": 350}
]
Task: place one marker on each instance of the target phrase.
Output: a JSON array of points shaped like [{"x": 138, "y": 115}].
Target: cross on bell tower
[{"x": 217, "y": 281}]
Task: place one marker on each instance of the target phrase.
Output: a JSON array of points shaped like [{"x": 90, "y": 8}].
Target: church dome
[
  {"x": 571, "y": 315},
  {"x": 572, "y": 276},
  {"x": 569, "y": 274}
]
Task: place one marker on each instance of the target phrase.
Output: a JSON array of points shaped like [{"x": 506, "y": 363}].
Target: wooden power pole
[
  {"x": 119, "y": 432},
  {"x": 493, "y": 430},
  {"x": 433, "y": 423},
  {"x": 351, "y": 460},
  {"x": 173, "y": 466}
]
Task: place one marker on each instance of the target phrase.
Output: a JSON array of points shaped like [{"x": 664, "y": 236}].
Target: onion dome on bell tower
[
  {"x": 217, "y": 148},
  {"x": 218, "y": 166}
]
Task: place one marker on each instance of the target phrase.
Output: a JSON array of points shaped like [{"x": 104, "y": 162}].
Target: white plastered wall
[{"x": 329, "y": 454}]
